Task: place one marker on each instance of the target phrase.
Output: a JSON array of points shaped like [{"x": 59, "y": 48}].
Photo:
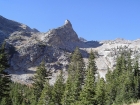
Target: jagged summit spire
[{"x": 68, "y": 23}]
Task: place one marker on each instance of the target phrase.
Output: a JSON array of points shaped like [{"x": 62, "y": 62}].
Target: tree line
[{"x": 83, "y": 86}]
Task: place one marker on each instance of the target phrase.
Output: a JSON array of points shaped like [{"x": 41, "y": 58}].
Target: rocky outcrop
[
  {"x": 27, "y": 48},
  {"x": 30, "y": 48},
  {"x": 7, "y": 27},
  {"x": 63, "y": 37}
]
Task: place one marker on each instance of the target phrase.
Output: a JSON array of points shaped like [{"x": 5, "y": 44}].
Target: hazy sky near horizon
[{"x": 91, "y": 19}]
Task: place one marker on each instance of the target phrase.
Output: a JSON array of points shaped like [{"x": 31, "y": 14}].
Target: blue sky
[{"x": 91, "y": 19}]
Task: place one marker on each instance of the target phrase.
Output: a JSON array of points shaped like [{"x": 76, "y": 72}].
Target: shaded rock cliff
[{"x": 7, "y": 27}]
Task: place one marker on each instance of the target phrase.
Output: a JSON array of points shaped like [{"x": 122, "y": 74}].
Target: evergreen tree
[
  {"x": 76, "y": 63},
  {"x": 136, "y": 69},
  {"x": 129, "y": 63},
  {"x": 123, "y": 64},
  {"x": 120, "y": 87},
  {"x": 20, "y": 94},
  {"x": 88, "y": 92},
  {"x": 58, "y": 89},
  {"x": 66, "y": 98},
  {"x": 137, "y": 79},
  {"x": 39, "y": 80},
  {"x": 125, "y": 91},
  {"x": 46, "y": 95},
  {"x": 101, "y": 92},
  {"x": 110, "y": 88},
  {"x": 16, "y": 94},
  {"x": 113, "y": 81},
  {"x": 75, "y": 79},
  {"x": 4, "y": 77}
]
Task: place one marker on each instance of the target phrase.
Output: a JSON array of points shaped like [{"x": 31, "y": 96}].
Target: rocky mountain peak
[
  {"x": 8, "y": 27},
  {"x": 68, "y": 23},
  {"x": 27, "y": 47},
  {"x": 63, "y": 37}
]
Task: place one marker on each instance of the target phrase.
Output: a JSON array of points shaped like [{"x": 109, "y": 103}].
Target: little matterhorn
[{"x": 27, "y": 48}]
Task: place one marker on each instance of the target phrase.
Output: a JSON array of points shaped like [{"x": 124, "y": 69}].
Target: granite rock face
[
  {"x": 7, "y": 27},
  {"x": 28, "y": 47},
  {"x": 63, "y": 37}
]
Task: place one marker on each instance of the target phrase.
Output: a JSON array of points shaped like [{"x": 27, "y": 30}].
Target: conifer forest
[{"x": 84, "y": 86}]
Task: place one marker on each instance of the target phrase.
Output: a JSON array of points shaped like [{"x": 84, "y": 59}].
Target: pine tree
[
  {"x": 3, "y": 101},
  {"x": 66, "y": 98},
  {"x": 127, "y": 80},
  {"x": 101, "y": 92},
  {"x": 137, "y": 79},
  {"x": 4, "y": 77},
  {"x": 15, "y": 94},
  {"x": 129, "y": 63},
  {"x": 125, "y": 91},
  {"x": 136, "y": 69},
  {"x": 123, "y": 64},
  {"x": 114, "y": 88},
  {"x": 88, "y": 92},
  {"x": 75, "y": 79},
  {"x": 39, "y": 80},
  {"x": 20, "y": 94},
  {"x": 58, "y": 89},
  {"x": 110, "y": 88},
  {"x": 122, "y": 82},
  {"x": 76, "y": 63},
  {"x": 46, "y": 95}
]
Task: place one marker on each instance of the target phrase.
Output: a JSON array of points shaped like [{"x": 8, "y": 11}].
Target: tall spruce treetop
[
  {"x": 58, "y": 89},
  {"x": 75, "y": 79},
  {"x": 129, "y": 63},
  {"x": 66, "y": 98},
  {"x": 45, "y": 98},
  {"x": 88, "y": 92},
  {"x": 76, "y": 62},
  {"x": 120, "y": 66},
  {"x": 137, "y": 79},
  {"x": 76, "y": 67},
  {"x": 136, "y": 69},
  {"x": 92, "y": 64},
  {"x": 3, "y": 59},
  {"x": 39, "y": 79},
  {"x": 101, "y": 92},
  {"x": 4, "y": 77}
]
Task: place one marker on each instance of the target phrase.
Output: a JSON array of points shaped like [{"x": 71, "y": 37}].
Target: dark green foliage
[
  {"x": 3, "y": 59},
  {"x": 45, "y": 98},
  {"x": 39, "y": 80},
  {"x": 4, "y": 77},
  {"x": 137, "y": 79},
  {"x": 58, "y": 90},
  {"x": 20, "y": 94},
  {"x": 88, "y": 92},
  {"x": 75, "y": 79},
  {"x": 121, "y": 85},
  {"x": 3, "y": 101},
  {"x": 100, "y": 92},
  {"x": 129, "y": 63},
  {"x": 76, "y": 63},
  {"x": 66, "y": 99}
]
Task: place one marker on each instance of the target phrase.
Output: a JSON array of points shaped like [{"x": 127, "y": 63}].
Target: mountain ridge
[{"x": 28, "y": 47}]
